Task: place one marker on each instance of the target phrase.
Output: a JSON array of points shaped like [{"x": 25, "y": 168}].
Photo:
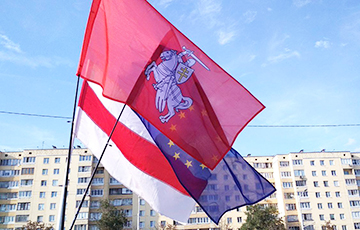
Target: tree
[
  {"x": 327, "y": 226},
  {"x": 259, "y": 218},
  {"x": 34, "y": 225},
  {"x": 111, "y": 217}
]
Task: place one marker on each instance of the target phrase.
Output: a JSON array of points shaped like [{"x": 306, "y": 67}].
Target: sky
[{"x": 300, "y": 58}]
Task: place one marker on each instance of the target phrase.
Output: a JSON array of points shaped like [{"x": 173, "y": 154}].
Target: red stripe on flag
[{"x": 140, "y": 152}]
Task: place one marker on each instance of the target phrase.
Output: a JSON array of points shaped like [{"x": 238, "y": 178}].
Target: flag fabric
[
  {"x": 232, "y": 184},
  {"x": 140, "y": 59},
  {"x": 151, "y": 165},
  {"x": 132, "y": 159}
]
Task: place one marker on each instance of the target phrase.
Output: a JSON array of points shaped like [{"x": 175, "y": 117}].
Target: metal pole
[
  {"x": 65, "y": 188},
  {"x": 97, "y": 165}
]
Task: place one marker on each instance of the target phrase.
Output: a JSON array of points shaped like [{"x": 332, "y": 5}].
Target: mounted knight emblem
[{"x": 169, "y": 74}]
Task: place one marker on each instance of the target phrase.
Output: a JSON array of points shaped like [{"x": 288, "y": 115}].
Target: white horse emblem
[{"x": 170, "y": 73}]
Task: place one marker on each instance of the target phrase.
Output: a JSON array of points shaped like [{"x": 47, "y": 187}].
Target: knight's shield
[{"x": 182, "y": 73}]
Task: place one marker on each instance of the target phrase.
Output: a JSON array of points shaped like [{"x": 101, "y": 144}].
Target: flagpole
[
  {"x": 66, "y": 183},
  {"x": 96, "y": 167}
]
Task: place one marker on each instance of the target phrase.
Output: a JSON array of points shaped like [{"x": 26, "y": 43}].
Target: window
[
  {"x": 317, "y": 194},
  {"x": 80, "y": 191},
  {"x": 97, "y": 192},
  {"x": 332, "y": 217},
  {"x": 80, "y": 227},
  {"x": 313, "y": 173},
  {"x": 357, "y": 225},
  {"x": 307, "y": 216},
  {"x": 22, "y": 194},
  {"x": 326, "y": 183},
  {"x": 56, "y": 171},
  {"x": 44, "y": 171},
  {"x": 82, "y": 215},
  {"x": 333, "y": 172},
  {"x": 83, "y": 180},
  {"x": 316, "y": 184},
  {"x": 152, "y": 212},
  {"x": 321, "y": 217},
  {"x": 85, "y": 158},
  {"x": 354, "y": 203},
  {"x": 297, "y": 162},
  {"x": 142, "y": 213},
  {"x": 29, "y": 160},
  {"x": 300, "y": 183},
  {"x": 322, "y": 162},
  {"x": 292, "y": 218},
  {"x": 289, "y": 195},
  {"x": 343, "y": 227},
  {"x": 299, "y": 173},
  {"x": 239, "y": 219},
  {"x": 327, "y": 194},
  {"x": 114, "y": 181},
  {"x": 26, "y": 182},
  {"x": 51, "y": 218},
  {"x": 229, "y": 220},
  {"x": 53, "y": 194},
  {"x": 319, "y": 205},
  {"x": 42, "y": 195},
  {"x": 95, "y": 204},
  {"x": 356, "y": 215},
  {"x": 287, "y": 184},
  {"x": 346, "y": 161},
  {"x": 43, "y": 183},
  {"x": 290, "y": 206},
  {"x": 23, "y": 206},
  {"x": 142, "y": 202},
  {"x": 350, "y": 181},
  {"x": 55, "y": 183},
  {"x": 84, "y": 169},
  {"x": 57, "y": 160},
  {"x": 303, "y": 194},
  {"x": 305, "y": 205},
  {"x": 46, "y": 161},
  {"x": 40, "y": 219},
  {"x": 52, "y": 206},
  {"x": 21, "y": 218},
  {"x": 342, "y": 216},
  {"x": 331, "y": 162},
  {"x": 41, "y": 206},
  {"x": 323, "y": 172},
  {"x": 152, "y": 224},
  {"x": 141, "y": 224},
  {"x": 312, "y": 163},
  {"x": 285, "y": 174},
  {"x": 336, "y": 183},
  {"x": 85, "y": 204},
  {"x": 337, "y": 194},
  {"x": 330, "y": 205},
  {"x": 27, "y": 171},
  {"x": 284, "y": 163},
  {"x": 98, "y": 181}
]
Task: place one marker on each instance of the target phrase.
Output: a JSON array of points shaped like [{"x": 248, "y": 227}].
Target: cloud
[
  {"x": 208, "y": 11},
  {"x": 225, "y": 37},
  {"x": 351, "y": 141},
  {"x": 35, "y": 61},
  {"x": 301, "y": 3},
  {"x": 165, "y": 3},
  {"x": 281, "y": 57},
  {"x": 249, "y": 16},
  {"x": 8, "y": 44},
  {"x": 322, "y": 44}
]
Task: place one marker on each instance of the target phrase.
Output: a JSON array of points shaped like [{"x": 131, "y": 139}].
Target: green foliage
[
  {"x": 259, "y": 218},
  {"x": 111, "y": 217},
  {"x": 34, "y": 225},
  {"x": 327, "y": 225}
]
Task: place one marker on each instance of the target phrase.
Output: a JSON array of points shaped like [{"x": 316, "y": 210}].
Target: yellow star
[
  {"x": 170, "y": 143},
  {"x": 188, "y": 163},
  {"x": 182, "y": 115},
  {"x": 173, "y": 127},
  {"x": 203, "y": 166},
  {"x": 176, "y": 156},
  {"x": 204, "y": 113},
  {"x": 191, "y": 108}
]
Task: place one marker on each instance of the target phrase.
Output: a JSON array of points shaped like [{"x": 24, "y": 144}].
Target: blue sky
[{"x": 300, "y": 58}]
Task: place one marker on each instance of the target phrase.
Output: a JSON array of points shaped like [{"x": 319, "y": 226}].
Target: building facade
[{"x": 312, "y": 188}]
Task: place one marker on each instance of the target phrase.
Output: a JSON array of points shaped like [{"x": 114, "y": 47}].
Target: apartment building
[{"x": 312, "y": 187}]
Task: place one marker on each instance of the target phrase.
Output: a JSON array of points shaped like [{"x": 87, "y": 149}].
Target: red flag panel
[{"x": 140, "y": 59}]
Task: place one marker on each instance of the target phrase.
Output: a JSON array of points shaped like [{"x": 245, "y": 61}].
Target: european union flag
[{"x": 233, "y": 182}]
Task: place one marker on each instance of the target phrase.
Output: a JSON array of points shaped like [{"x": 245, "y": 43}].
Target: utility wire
[{"x": 252, "y": 126}]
